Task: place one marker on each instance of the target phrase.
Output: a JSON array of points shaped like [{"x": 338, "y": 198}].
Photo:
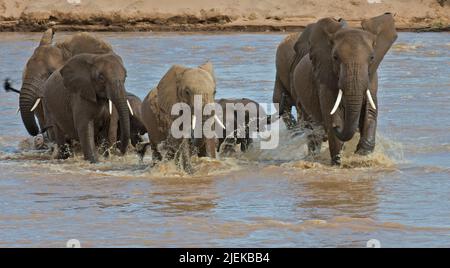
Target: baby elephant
[
  {"x": 76, "y": 98},
  {"x": 236, "y": 133}
]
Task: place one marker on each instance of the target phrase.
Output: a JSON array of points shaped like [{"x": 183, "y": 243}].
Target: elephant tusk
[
  {"x": 18, "y": 110},
  {"x": 338, "y": 101},
  {"x": 369, "y": 97},
  {"x": 35, "y": 105},
  {"x": 218, "y": 121},
  {"x": 194, "y": 121},
  {"x": 110, "y": 107},
  {"x": 129, "y": 107}
]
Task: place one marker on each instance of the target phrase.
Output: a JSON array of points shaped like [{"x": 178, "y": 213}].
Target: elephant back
[{"x": 83, "y": 43}]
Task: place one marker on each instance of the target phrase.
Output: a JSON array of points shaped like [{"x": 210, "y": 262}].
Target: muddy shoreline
[{"x": 155, "y": 25}]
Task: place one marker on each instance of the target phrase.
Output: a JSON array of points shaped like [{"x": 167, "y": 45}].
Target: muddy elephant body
[
  {"x": 46, "y": 59},
  {"x": 179, "y": 85},
  {"x": 76, "y": 100},
  {"x": 241, "y": 133},
  {"x": 335, "y": 83}
]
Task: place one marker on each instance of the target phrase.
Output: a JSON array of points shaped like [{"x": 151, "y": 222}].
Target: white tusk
[
  {"x": 338, "y": 101},
  {"x": 110, "y": 107},
  {"x": 194, "y": 121},
  {"x": 129, "y": 107},
  {"x": 35, "y": 105},
  {"x": 218, "y": 121},
  {"x": 369, "y": 97},
  {"x": 18, "y": 110}
]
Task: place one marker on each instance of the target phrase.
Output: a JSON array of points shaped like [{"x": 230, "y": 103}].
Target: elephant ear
[
  {"x": 208, "y": 67},
  {"x": 47, "y": 38},
  {"x": 168, "y": 88},
  {"x": 77, "y": 76},
  {"x": 383, "y": 27},
  {"x": 320, "y": 46}
]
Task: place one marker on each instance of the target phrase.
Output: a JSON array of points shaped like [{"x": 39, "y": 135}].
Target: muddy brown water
[{"x": 400, "y": 195}]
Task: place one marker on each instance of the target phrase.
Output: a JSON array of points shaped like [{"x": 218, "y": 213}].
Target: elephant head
[
  {"x": 47, "y": 58},
  {"x": 100, "y": 79},
  {"x": 44, "y": 61},
  {"x": 350, "y": 57},
  {"x": 182, "y": 84}
]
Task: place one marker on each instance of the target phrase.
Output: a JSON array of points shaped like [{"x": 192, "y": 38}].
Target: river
[{"x": 400, "y": 195}]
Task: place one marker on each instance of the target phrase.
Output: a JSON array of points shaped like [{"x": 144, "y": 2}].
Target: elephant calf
[
  {"x": 76, "y": 98},
  {"x": 241, "y": 133},
  {"x": 179, "y": 85}
]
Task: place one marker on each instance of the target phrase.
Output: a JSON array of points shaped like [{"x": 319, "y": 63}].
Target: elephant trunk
[
  {"x": 354, "y": 89},
  {"x": 351, "y": 118},
  {"x": 27, "y": 100},
  {"x": 120, "y": 101}
]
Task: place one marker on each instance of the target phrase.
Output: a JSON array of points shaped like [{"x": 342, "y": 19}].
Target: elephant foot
[
  {"x": 336, "y": 160},
  {"x": 141, "y": 149},
  {"x": 365, "y": 147},
  {"x": 183, "y": 158},
  {"x": 63, "y": 151}
]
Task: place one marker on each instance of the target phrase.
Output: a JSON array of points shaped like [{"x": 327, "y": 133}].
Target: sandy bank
[{"x": 209, "y": 15}]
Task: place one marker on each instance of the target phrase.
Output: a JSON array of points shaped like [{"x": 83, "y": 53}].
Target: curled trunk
[{"x": 26, "y": 101}]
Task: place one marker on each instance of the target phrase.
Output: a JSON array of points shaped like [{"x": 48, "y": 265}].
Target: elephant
[
  {"x": 179, "y": 85},
  {"x": 137, "y": 128},
  {"x": 289, "y": 53},
  {"x": 46, "y": 59},
  {"x": 284, "y": 61},
  {"x": 336, "y": 82},
  {"x": 234, "y": 139},
  {"x": 76, "y": 98}
]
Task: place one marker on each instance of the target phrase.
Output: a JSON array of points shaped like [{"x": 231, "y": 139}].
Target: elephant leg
[
  {"x": 314, "y": 137},
  {"x": 207, "y": 145},
  {"x": 63, "y": 149},
  {"x": 87, "y": 140},
  {"x": 281, "y": 96},
  {"x": 335, "y": 146},
  {"x": 368, "y": 127},
  {"x": 183, "y": 157},
  {"x": 286, "y": 111}
]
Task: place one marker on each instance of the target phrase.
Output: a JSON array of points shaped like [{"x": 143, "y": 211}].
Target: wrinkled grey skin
[
  {"x": 233, "y": 139},
  {"x": 46, "y": 59},
  {"x": 137, "y": 128},
  {"x": 76, "y": 101},
  {"x": 338, "y": 57},
  {"x": 179, "y": 85}
]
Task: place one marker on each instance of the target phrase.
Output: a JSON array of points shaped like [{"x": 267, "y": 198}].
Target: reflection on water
[{"x": 400, "y": 195}]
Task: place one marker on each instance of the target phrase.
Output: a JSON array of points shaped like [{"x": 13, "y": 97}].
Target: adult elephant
[
  {"x": 76, "y": 97},
  {"x": 336, "y": 82},
  {"x": 46, "y": 59},
  {"x": 179, "y": 85},
  {"x": 137, "y": 128},
  {"x": 289, "y": 53}
]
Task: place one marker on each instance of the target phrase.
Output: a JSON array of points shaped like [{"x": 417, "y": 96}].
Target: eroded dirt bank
[{"x": 207, "y": 15}]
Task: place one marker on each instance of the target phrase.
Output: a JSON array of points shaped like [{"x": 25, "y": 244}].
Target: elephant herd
[{"x": 76, "y": 90}]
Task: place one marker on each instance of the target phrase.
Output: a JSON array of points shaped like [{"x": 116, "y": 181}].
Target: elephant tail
[{"x": 7, "y": 86}]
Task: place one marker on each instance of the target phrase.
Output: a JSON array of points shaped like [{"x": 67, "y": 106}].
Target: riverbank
[{"x": 222, "y": 15}]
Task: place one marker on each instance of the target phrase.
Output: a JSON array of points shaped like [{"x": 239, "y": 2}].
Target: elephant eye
[
  {"x": 187, "y": 92},
  {"x": 335, "y": 57},
  {"x": 372, "y": 57},
  {"x": 101, "y": 78}
]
